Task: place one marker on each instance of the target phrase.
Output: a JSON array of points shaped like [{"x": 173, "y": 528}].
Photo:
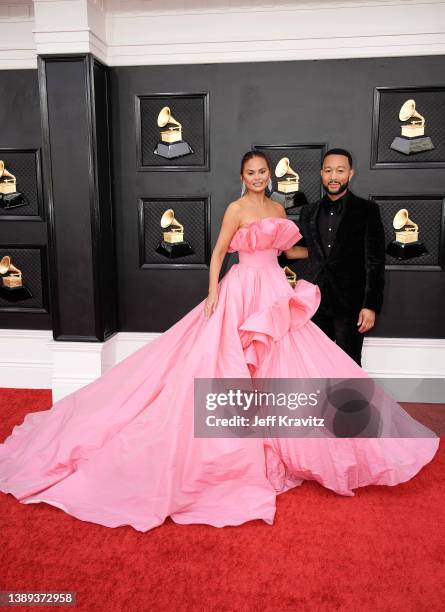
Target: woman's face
[{"x": 256, "y": 174}]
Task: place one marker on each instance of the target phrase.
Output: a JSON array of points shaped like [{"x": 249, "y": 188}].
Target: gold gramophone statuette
[
  {"x": 290, "y": 275},
  {"x": 415, "y": 122},
  {"x": 14, "y": 275},
  {"x": 407, "y": 244},
  {"x": 406, "y": 230},
  {"x": 11, "y": 287},
  {"x": 173, "y": 129},
  {"x": 175, "y": 232},
  {"x": 290, "y": 180},
  {"x": 171, "y": 144},
  {"x": 173, "y": 244},
  {"x": 8, "y": 182},
  {"x": 412, "y": 139},
  {"x": 9, "y": 196},
  {"x": 287, "y": 194}
]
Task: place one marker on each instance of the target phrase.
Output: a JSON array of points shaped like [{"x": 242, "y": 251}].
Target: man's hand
[
  {"x": 366, "y": 320},
  {"x": 297, "y": 252}
]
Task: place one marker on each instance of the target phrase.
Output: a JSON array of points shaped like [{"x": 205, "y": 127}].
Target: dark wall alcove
[
  {"x": 329, "y": 101},
  {"x": 23, "y": 230}
]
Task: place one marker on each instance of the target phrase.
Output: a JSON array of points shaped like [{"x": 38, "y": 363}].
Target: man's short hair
[{"x": 337, "y": 152}]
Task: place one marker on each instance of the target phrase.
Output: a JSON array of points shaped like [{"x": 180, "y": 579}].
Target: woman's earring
[
  {"x": 270, "y": 185},
  {"x": 243, "y": 188}
]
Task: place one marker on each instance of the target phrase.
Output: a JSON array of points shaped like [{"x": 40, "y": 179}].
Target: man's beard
[{"x": 341, "y": 189}]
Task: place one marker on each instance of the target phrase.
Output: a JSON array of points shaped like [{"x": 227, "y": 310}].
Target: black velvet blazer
[{"x": 354, "y": 271}]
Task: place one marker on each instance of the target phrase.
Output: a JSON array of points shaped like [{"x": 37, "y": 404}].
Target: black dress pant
[{"x": 342, "y": 329}]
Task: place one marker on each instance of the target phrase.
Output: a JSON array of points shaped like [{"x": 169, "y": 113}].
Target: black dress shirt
[
  {"x": 354, "y": 272},
  {"x": 329, "y": 216}
]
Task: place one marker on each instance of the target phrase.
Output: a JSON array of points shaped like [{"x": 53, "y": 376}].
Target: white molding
[
  {"x": 17, "y": 61},
  {"x": 16, "y": 10},
  {"x": 32, "y": 359},
  {"x": 186, "y": 7},
  {"x": 29, "y": 375},
  {"x": 264, "y": 51},
  {"x": 262, "y": 33},
  {"x": 122, "y": 345},
  {"x": 17, "y": 46},
  {"x": 25, "y": 358},
  {"x": 74, "y": 365},
  {"x": 24, "y": 334},
  {"x": 156, "y": 32},
  {"x": 70, "y": 26},
  {"x": 404, "y": 357}
]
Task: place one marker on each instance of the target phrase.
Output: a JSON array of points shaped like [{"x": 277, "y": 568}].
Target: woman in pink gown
[{"x": 122, "y": 451}]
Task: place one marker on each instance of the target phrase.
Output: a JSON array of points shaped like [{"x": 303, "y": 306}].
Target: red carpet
[{"x": 381, "y": 550}]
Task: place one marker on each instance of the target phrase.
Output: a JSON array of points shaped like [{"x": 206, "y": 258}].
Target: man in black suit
[{"x": 345, "y": 238}]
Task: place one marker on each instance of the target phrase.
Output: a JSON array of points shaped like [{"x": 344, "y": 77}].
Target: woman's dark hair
[{"x": 250, "y": 155}]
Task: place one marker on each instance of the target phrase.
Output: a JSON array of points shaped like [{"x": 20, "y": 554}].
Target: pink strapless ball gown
[{"x": 121, "y": 451}]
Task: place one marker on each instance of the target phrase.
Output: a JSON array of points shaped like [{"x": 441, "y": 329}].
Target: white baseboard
[
  {"x": 404, "y": 357},
  {"x": 32, "y": 359},
  {"x": 123, "y": 344},
  {"x": 25, "y": 358}
]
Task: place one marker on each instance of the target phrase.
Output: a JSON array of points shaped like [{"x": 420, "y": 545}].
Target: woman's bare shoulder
[
  {"x": 236, "y": 204},
  {"x": 234, "y": 208}
]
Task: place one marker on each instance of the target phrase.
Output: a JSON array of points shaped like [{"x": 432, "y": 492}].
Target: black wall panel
[
  {"x": 106, "y": 273},
  {"x": 74, "y": 93},
  {"x": 261, "y": 103},
  {"x": 72, "y": 223},
  {"x": 266, "y": 103},
  {"x": 25, "y": 239}
]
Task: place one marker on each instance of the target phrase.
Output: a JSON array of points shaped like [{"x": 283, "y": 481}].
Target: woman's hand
[
  {"x": 230, "y": 224},
  {"x": 211, "y": 303}
]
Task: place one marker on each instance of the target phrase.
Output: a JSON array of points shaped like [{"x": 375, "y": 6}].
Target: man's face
[{"x": 336, "y": 174}]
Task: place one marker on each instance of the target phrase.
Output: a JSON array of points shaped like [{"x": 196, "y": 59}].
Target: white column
[{"x": 70, "y": 26}]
